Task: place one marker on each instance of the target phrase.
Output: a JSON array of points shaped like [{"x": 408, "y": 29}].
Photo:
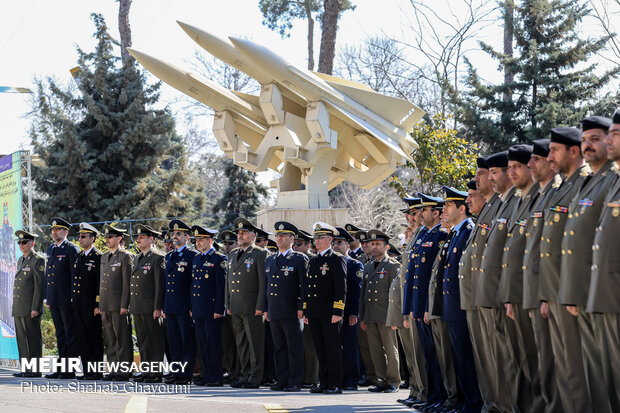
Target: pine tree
[
  {"x": 243, "y": 195},
  {"x": 107, "y": 153},
  {"x": 554, "y": 83}
]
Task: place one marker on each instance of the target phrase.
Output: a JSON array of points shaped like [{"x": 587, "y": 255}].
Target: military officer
[
  {"x": 603, "y": 299},
  {"x": 323, "y": 307},
  {"x": 61, "y": 256},
  {"x": 84, "y": 299},
  {"x": 348, "y": 331},
  {"x": 566, "y": 158},
  {"x": 456, "y": 215},
  {"x": 28, "y": 289},
  {"x": 230, "y": 360},
  {"x": 303, "y": 241},
  {"x": 229, "y": 238},
  {"x": 285, "y": 274},
  {"x": 177, "y": 301},
  {"x": 244, "y": 303},
  {"x": 262, "y": 238},
  {"x": 583, "y": 214},
  {"x": 355, "y": 247},
  {"x": 544, "y": 175},
  {"x": 168, "y": 245},
  {"x": 146, "y": 299},
  {"x": 113, "y": 305},
  {"x": 207, "y": 304}
]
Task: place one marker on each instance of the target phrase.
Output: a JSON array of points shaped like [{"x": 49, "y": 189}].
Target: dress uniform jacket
[
  {"x": 435, "y": 285},
  {"x": 115, "y": 280},
  {"x": 603, "y": 295},
  {"x": 394, "y": 314},
  {"x": 510, "y": 288},
  {"x": 147, "y": 283},
  {"x": 479, "y": 238},
  {"x": 450, "y": 295},
  {"x": 533, "y": 231},
  {"x": 421, "y": 265},
  {"x": 491, "y": 265},
  {"x": 178, "y": 281},
  {"x": 553, "y": 230},
  {"x": 326, "y": 295},
  {"x": 376, "y": 283},
  {"x": 583, "y": 214},
  {"x": 28, "y": 286},
  {"x": 407, "y": 301},
  {"x": 285, "y": 285},
  {"x": 59, "y": 270},
  {"x": 358, "y": 254},
  {"x": 245, "y": 282},
  {"x": 355, "y": 274},
  {"x": 208, "y": 284},
  {"x": 86, "y": 279}
]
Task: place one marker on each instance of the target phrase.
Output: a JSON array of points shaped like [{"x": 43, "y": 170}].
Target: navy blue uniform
[
  {"x": 348, "y": 334},
  {"x": 408, "y": 286},
  {"x": 59, "y": 276},
  {"x": 451, "y": 312},
  {"x": 208, "y": 284},
  {"x": 176, "y": 307},
  {"x": 284, "y": 292},
  {"x": 419, "y": 269}
]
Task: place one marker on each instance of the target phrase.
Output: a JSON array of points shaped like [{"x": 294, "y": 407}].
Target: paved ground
[{"x": 43, "y": 395}]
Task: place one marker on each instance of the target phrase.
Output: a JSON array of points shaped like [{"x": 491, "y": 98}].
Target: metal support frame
[{"x": 25, "y": 164}]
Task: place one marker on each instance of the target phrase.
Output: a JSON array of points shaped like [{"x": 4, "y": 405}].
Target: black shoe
[
  {"x": 416, "y": 404},
  {"x": 376, "y": 389},
  {"x": 349, "y": 388},
  {"x": 307, "y": 385},
  {"x": 390, "y": 389},
  {"x": 137, "y": 379},
  {"x": 152, "y": 379},
  {"x": 108, "y": 377},
  {"x": 52, "y": 375},
  {"x": 32, "y": 375},
  {"x": 404, "y": 385},
  {"x": 251, "y": 385},
  {"x": 19, "y": 374},
  {"x": 269, "y": 382},
  {"x": 66, "y": 376},
  {"x": 365, "y": 383},
  {"x": 170, "y": 379},
  {"x": 236, "y": 384},
  {"x": 215, "y": 384},
  {"x": 181, "y": 381},
  {"x": 333, "y": 390},
  {"x": 317, "y": 389},
  {"x": 292, "y": 388},
  {"x": 277, "y": 387}
]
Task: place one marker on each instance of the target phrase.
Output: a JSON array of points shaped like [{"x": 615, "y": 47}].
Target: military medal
[
  {"x": 615, "y": 212},
  {"x": 324, "y": 269},
  {"x": 615, "y": 208},
  {"x": 556, "y": 218}
]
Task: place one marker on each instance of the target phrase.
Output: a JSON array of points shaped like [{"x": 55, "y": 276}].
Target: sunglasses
[
  {"x": 23, "y": 242},
  {"x": 338, "y": 242},
  {"x": 111, "y": 236},
  {"x": 230, "y": 243},
  {"x": 177, "y": 233},
  {"x": 82, "y": 236},
  {"x": 299, "y": 243}
]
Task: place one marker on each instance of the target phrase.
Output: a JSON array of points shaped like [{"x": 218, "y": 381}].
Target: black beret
[
  {"x": 481, "y": 162},
  {"x": 374, "y": 234},
  {"x": 304, "y": 235},
  {"x": 520, "y": 153},
  {"x": 595, "y": 122},
  {"x": 616, "y": 118},
  {"x": 178, "y": 225},
  {"x": 23, "y": 235},
  {"x": 242, "y": 223},
  {"x": 540, "y": 147},
  {"x": 202, "y": 232},
  {"x": 110, "y": 230},
  {"x": 343, "y": 234},
  {"x": 285, "y": 228},
  {"x": 146, "y": 230},
  {"x": 498, "y": 160},
  {"x": 452, "y": 194},
  {"x": 59, "y": 223},
  {"x": 472, "y": 185},
  {"x": 566, "y": 136}
]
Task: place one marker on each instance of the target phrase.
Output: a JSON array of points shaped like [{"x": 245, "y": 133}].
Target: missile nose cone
[
  {"x": 191, "y": 31},
  {"x": 257, "y": 53}
]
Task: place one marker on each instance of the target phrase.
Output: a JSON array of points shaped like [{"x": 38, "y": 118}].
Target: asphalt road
[{"x": 43, "y": 395}]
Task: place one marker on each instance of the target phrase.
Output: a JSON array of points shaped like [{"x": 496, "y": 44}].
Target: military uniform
[
  {"x": 84, "y": 300},
  {"x": 244, "y": 296},
  {"x": 367, "y": 370},
  {"x": 114, "y": 293},
  {"x": 374, "y": 300},
  {"x": 348, "y": 334},
  {"x": 58, "y": 273},
  {"x": 28, "y": 288}
]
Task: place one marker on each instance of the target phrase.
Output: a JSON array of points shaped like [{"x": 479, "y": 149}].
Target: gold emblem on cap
[
  {"x": 226, "y": 237},
  {"x": 281, "y": 227},
  {"x": 21, "y": 235},
  {"x": 240, "y": 225},
  {"x": 373, "y": 236},
  {"x": 362, "y": 236},
  {"x": 196, "y": 232},
  {"x": 176, "y": 226},
  {"x": 317, "y": 227},
  {"x": 139, "y": 230},
  {"x": 81, "y": 226},
  {"x": 53, "y": 222}
]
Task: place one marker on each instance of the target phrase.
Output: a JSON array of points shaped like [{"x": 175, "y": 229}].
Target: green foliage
[
  {"x": 107, "y": 153},
  {"x": 278, "y": 15},
  {"x": 443, "y": 157},
  {"x": 48, "y": 334},
  {"x": 554, "y": 81},
  {"x": 242, "y": 196}
]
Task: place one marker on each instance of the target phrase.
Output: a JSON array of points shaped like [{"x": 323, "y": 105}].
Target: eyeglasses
[
  {"x": 82, "y": 236},
  {"x": 23, "y": 242},
  {"x": 111, "y": 236},
  {"x": 177, "y": 233},
  {"x": 230, "y": 243}
]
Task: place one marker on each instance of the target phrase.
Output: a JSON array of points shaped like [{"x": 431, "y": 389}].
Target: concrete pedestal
[{"x": 302, "y": 218}]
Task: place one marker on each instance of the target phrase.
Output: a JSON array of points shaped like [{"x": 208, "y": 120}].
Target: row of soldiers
[{"x": 515, "y": 311}]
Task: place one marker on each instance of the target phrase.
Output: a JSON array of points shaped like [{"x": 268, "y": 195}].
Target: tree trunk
[
  {"x": 331, "y": 10},
  {"x": 125, "y": 30},
  {"x": 310, "y": 35},
  {"x": 508, "y": 36}
]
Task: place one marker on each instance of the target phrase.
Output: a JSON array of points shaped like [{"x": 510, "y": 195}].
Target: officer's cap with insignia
[
  {"x": 412, "y": 203},
  {"x": 303, "y": 235},
  {"x": 283, "y": 227},
  {"x": 472, "y": 185},
  {"x": 261, "y": 233},
  {"x": 616, "y": 118},
  {"x": 540, "y": 147},
  {"x": 23, "y": 235},
  {"x": 394, "y": 251},
  {"x": 454, "y": 195},
  {"x": 178, "y": 225},
  {"x": 377, "y": 234},
  {"x": 430, "y": 201},
  {"x": 343, "y": 234},
  {"x": 86, "y": 228},
  {"x": 217, "y": 246},
  {"x": 243, "y": 224},
  {"x": 60, "y": 223},
  {"x": 595, "y": 122},
  {"x": 520, "y": 153},
  {"x": 362, "y": 236},
  {"x": 228, "y": 236},
  {"x": 271, "y": 245},
  {"x": 110, "y": 230},
  {"x": 201, "y": 232},
  {"x": 498, "y": 160},
  {"x": 165, "y": 234},
  {"x": 146, "y": 230},
  {"x": 566, "y": 136},
  {"x": 481, "y": 162},
  {"x": 352, "y": 229},
  {"x": 322, "y": 228}
]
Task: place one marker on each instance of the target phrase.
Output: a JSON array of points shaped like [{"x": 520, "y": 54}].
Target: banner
[{"x": 11, "y": 203}]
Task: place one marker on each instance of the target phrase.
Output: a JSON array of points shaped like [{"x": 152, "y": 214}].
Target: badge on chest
[
  {"x": 324, "y": 268},
  {"x": 248, "y": 263}
]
